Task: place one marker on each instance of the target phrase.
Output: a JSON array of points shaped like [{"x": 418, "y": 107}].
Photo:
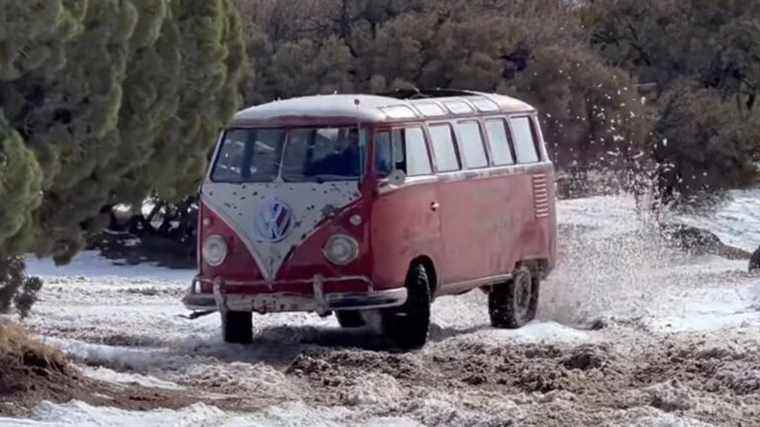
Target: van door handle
[{"x": 434, "y": 206}]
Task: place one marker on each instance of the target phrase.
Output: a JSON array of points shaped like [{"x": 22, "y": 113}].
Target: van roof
[{"x": 399, "y": 106}]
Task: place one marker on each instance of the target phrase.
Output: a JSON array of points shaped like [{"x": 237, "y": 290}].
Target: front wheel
[
  {"x": 237, "y": 327},
  {"x": 407, "y": 326},
  {"x": 514, "y": 303}
]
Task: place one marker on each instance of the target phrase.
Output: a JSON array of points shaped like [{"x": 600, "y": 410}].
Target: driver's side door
[{"x": 405, "y": 219}]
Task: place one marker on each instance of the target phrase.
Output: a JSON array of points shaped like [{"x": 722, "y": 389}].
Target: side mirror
[{"x": 397, "y": 178}]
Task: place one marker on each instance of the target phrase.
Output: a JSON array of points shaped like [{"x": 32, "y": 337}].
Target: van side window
[
  {"x": 471, "y": 144},
  {"x": 417, "y": 157},
  {"x": 446, "y": 156},
  {"x": 525, "y": 144},
  {"x": 402, "y": 149},
  {"x": 383, "y": 154},
  {"x": 498, "y": 137}
]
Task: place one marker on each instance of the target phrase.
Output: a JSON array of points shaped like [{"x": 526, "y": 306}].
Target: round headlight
[
  {"x": 214, "y": 250},
  {"x": 341, "y": 249}
]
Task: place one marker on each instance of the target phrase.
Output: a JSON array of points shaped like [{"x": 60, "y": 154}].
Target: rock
[
  {"x": 597, "y": 325},
  {"x": 692, "y": 239},
  {"x": 699, "y": 241}
]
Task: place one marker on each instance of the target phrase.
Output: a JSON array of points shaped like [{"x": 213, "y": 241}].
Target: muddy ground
[
  {"x": 630, "y": 332},
  {"x": 692, "y": 378}
]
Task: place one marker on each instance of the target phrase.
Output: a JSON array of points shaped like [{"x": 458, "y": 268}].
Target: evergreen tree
[
  {"x": 20, "y": 190},
  {"x": 34, "y": 33},
  {"x": 203, "y": 92},
  {"x": 107, "y": 101}
]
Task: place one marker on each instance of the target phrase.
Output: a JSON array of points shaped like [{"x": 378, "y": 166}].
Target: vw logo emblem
[{"x": 274, "y": 219}]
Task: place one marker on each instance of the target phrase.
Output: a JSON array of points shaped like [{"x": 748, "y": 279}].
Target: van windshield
[{"x": 296, "y": 155}]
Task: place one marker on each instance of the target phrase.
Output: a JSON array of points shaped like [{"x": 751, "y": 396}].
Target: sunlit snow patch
[
  {"x": 113, "y": 356},
  {"x": 708, "y": 309},
  {"x": 81, "y": 414},
  {"x": 90, "y": 265},
  {"x": 537, "y": 333},
  {"x": 122, "y": 378}
]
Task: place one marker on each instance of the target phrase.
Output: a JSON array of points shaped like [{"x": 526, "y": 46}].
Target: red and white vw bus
[{"x": 348, "y": 204}]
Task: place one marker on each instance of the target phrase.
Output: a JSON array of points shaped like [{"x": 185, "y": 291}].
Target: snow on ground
[
  {"x": 736, "y": 222},
  {"x": 89, "y": 265},
  {"x": 80, "y": 414},
  {"x": 615, "y": 265},
  {"x": 111, "y": 376},
  {"x": 122, "y": 324}
]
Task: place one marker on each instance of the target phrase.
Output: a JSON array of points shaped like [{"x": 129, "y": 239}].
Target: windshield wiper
[{"x": 321, "y": 178}]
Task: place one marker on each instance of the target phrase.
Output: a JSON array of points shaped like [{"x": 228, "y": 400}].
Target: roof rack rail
[{"x": 426, "y": 93}]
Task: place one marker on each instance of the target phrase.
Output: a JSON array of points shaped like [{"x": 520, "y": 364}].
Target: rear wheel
[
  {"x": 407, "y": 326},
  {"x": 514, "y": 303},
  {"x": 350, "y": 319},
  {"x": 237, "y": 327}
]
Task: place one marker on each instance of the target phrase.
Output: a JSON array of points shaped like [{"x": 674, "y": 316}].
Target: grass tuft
[{"x": 18, "y": 348}]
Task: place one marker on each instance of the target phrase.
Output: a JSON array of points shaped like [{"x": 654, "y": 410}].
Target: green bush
[
  {"x": 600, "y": 72},
  {"x": 702, "y": 145},
  {"x": 538, "y": 51},
  {"x": 16, "y": 290}
]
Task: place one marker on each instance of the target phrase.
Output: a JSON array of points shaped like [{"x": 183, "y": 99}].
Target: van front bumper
[{"x": 264, "y": 298}]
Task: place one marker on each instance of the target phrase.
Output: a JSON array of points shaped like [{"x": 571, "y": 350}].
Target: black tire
[
  {"x": 237, "y": 327},
  {"x": 350, "y": 319},
  {"x": 754, "y": 261},
  {"x": 514, "y": 303},
  {"x": 407, "y": 326}
]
